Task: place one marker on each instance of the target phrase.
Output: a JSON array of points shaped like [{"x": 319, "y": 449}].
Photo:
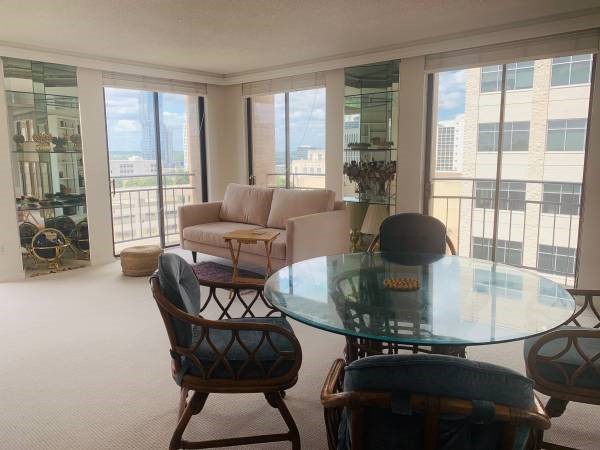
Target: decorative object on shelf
[
  {"x": 42, "y": 141},
  {"x": 59, "y": 144},
  {"x": 20, "y": 141},
  {"x": 76, "y": 140},
  {"x": 62, "y": 223},
  {"x": 27, "y": 231},
  {"x": 372, "y": 178},
  {"x": 48, "y": 245},
  {"x": 80, "y": 240},
  {"x": 401, "y": 284}
]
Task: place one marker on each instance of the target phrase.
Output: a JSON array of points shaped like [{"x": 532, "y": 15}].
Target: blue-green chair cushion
[
  {"x": 400, "y": 428},
  {"x": 180, "y": 286},
  {"x": 237, "y": 356},
  {"x": 569, "y": 362}
]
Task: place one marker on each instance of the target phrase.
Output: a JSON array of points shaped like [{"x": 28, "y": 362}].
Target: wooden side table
[{"x": 249, "y": 237}]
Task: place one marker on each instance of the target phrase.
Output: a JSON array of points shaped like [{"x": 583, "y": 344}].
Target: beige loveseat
[{"x": 311, "y": 223}]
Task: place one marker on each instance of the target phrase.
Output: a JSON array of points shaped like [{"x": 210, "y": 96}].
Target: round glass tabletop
[{"x": 460, "y": 301}]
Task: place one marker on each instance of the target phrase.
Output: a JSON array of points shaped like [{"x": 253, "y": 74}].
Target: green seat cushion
[
  {"x": 267, "y": 363},
  {"x": 401, "y": 428},
  {"x": 561, "y": 370}
]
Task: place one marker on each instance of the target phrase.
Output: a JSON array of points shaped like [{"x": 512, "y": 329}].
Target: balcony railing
[
  {"x": 533, "y": 233},
  {"x": 136, "y": 212},
  {"x": 297, "y": 180}
]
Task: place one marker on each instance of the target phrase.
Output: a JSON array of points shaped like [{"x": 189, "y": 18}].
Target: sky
[
  {"x": 451, "y": 94},
  {"x": 128, "y": 111},
  {"x": 307, "y": 120}
]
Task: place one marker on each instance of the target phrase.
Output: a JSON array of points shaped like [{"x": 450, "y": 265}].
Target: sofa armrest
[
  {"x": 320, "y": 234},
  {"x": 196, "y": 214}
]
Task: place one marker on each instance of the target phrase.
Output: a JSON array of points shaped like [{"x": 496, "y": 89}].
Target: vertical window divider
[
  {"x": 499, "y": 165},
  {"x": 585, "y": 168},
  {"x": 287, "y": 140},
  {"x": 159, "y": 178}
]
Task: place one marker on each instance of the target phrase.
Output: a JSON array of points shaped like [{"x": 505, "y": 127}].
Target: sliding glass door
[
  {"x": 507, "y": 157},
  {"x": 154, "y": 157},
  {"x": 287, "y": 139}
]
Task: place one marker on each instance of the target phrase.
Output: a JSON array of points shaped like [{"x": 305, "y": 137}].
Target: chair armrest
[
  {"x": 571, "y": 338},
  {"x": 320, "y": 234},
  {"x": 196, "y": 214}
]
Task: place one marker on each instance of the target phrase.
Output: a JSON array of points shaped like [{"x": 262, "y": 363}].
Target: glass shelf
[
  {"x": 355, "y": 199},
  {"x": 362, "y": 149},
  {"x": 48, "y": 152}
]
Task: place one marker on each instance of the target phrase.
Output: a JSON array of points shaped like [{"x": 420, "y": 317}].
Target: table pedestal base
[{"x": 357, "y": 348}]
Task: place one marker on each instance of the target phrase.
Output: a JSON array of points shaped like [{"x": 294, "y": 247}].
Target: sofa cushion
[
  {"x": 288, "y": 203},
  {"x": 246, "y": 204},
  {"x": 212, "y": 234}
]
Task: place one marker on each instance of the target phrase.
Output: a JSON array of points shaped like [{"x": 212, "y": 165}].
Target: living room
[{"x": 321, "y": 186}]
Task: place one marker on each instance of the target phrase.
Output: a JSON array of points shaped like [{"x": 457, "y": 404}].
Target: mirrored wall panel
[{"x": 47, "y": 164}]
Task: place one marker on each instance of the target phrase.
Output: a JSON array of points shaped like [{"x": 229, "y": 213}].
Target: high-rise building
[
  {"x": 543, "y": 141},
  {"x": 146, "y": 118}
]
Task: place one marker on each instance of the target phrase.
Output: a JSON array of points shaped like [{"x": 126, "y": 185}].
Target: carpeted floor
[{"x": 85, "y": 365}]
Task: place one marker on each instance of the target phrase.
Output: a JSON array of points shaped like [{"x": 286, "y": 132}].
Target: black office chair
[{"x": 412, "y": 233}]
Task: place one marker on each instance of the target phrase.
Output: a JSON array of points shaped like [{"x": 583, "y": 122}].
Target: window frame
[
  {"x": 503, "y": 247},
  {"x": 571, "y": 256},
  {"x": 288, "y": 173},
  {"x": 565, "y": 131},
  {"x": 557, "y": 207},
  {"x": 508, "y": 133},
  {"x": 513, "y": 70},
  {"x": 570, "y": 62}
]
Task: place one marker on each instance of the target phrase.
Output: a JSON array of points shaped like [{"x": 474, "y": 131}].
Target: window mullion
[
  {"x": 287, "y": 140},
  {"x": 499, "y": 164}
]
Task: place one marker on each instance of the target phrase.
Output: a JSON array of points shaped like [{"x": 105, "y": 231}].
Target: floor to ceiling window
[
  {"x": 154, "y": 157},
  {"x": 287, "y": 139},
  {"x": 515, "y": 131}
]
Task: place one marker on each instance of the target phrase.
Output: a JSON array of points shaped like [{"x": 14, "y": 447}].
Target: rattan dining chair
[
  {"x": 429, "y": 402},
  {"x": 565, "y": 363},
  {"x": 412, "y": 233},
  {"x": 233, "y": 356},
  {"x": 406, "y": 233}
]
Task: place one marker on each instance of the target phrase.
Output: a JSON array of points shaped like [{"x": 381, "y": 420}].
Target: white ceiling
[{"x": 239, "y": 36}]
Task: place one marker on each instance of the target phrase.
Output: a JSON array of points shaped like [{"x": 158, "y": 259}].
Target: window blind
[
  {"x": 126, "y": 81},
  {"x": 285, "y": 84},
  {"x": 538, "y": 48}
]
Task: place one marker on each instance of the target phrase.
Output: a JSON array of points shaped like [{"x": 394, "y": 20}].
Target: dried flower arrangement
[{"x": 371, "y": 177}]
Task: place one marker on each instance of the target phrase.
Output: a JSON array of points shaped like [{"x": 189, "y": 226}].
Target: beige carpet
[{"x": 85, "y": 365}]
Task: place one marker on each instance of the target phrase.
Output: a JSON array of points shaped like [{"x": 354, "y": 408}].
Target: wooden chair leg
[
  {"x": 275, "y": 400},
  {"x": 194, "y": 406},
  {"x": 183, "y": 395}
]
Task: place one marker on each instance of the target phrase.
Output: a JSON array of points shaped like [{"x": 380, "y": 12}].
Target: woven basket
[{"x": 139, "y": 261}]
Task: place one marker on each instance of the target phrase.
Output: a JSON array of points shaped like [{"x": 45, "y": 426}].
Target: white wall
[
  {"x": 95, "y": 164},
  {"x": 411, "y": 135},
  {"x": 589, "y": 259},
  {"x": 11, "y": 266},
  {"x": 334, "y": 131},
  {"x": 225, "y": 139}
]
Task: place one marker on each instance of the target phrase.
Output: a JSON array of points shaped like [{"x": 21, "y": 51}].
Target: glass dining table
[{"x": 459, "y": 301}]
